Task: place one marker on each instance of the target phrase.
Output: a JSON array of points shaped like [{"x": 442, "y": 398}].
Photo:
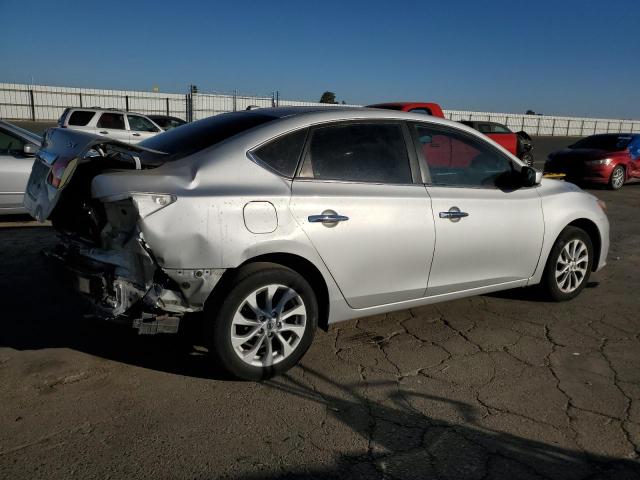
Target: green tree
[{"x": 328, "y": 97}]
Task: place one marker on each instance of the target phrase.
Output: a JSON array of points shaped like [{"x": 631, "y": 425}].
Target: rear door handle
[
  {"x": 454, "y": 214},
  {"x": 327, "y": 218},
  {"x": 136, "y": 134},
  {"x": 104, "y": 132}
]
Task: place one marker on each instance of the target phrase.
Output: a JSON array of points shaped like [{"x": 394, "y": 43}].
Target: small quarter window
[
  {"x": 81, "y": 118},
  {"x": 283, "y": 153}
]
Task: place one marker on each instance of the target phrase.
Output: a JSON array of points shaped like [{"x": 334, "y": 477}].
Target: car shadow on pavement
[{"x": 405, "y": 442}]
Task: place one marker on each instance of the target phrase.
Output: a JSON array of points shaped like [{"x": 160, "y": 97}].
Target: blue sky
[{"x": 556, "y": 57}]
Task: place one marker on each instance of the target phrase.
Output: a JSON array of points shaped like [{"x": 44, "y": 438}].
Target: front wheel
[
  {"x": 569, "y": 265},
  {"x": 616, "y": 181},
  {"x": 264, "y": 324}
]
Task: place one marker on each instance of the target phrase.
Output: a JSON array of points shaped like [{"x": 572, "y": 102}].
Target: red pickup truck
[
  {"x": 515, "y": 143},
  {"x": 432, "y": 109}
]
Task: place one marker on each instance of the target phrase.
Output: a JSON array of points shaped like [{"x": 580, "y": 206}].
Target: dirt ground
[{"x": 498, "y": 386}]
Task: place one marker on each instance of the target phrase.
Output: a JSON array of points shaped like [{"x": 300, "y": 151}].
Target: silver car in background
[
  {"x": 17, "y": 152},
  {"x": 274, "y": 222}
]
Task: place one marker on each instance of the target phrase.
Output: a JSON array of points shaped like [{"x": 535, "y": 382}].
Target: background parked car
[
  {"x": 126, "y": 127},
  {"x": 166, "y": 122},
  {"x": 517, "y": 143},
  {"x": 427, "y": 108},
  {"x": 17, "y": 150},
  {"x": 612, "y": 159}
]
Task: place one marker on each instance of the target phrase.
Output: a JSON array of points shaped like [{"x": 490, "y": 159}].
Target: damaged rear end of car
[{"x": 102, "y": 244}]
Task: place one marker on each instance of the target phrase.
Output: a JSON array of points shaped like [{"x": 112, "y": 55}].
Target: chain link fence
[{"x": 46, "y": 103}]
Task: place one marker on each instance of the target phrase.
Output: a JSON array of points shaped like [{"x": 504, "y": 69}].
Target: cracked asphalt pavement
[{"x": 499, "y": 386}]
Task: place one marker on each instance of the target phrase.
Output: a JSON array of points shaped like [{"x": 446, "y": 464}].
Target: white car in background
[{"x": 119, "y": 125}]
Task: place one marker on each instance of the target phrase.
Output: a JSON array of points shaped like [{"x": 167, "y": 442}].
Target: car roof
[
  {"x": 102, "y": 109},
  {"x": 290, "y": 118}
]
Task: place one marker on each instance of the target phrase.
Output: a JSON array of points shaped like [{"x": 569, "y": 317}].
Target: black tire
[
  {"x": 219, "y": 319},
  {"x": 614, "y": 182},
  {"x": 549, "y": 282}
]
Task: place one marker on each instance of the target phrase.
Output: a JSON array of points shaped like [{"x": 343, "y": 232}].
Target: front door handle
[
  {"x": 104, "y": 132},
  {"x": 454, "y": 214},
  {"x": 136, "y": 134}
]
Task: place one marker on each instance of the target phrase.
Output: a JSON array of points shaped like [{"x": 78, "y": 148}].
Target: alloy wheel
[
  {"x": 268, "y": 325},
  {"x": 617, "y": 178},
  {"x": 571, "y": 266}
]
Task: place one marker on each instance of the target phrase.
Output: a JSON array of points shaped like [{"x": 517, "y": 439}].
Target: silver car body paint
[
  {"x": 394, "y": 252},
  {"x": 15, "y": 169}
]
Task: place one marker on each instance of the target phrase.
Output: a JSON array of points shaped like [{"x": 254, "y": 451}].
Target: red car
[
  {"x": 498, "y": 133},
  {"x": 612, "y": 159}
]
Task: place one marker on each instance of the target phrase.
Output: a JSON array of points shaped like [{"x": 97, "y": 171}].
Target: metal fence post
[
  {"x": 538, "y": 128},
  {"x": 582, "y": 129},
  {"x": 235, "y": 100},
  {"x": 189, "y": 107},
  {"x": 33, "y": 106},
  {"x": 126, "y": 102},
  {"x": 167, "y": 106},
  {"x": 568, "y": 125},
  {"x": 522, "y": 128},
  {"x": 553, "y": 128},
  {"x": 608, "y": 125},
  {"x": 277, "y": 98},
  {"x": 80, "y": 97}
]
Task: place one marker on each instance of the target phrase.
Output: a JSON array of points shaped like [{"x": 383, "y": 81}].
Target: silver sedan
[
  {"x": 17, "y": 151},
  {"x": 275, "y": 222}
]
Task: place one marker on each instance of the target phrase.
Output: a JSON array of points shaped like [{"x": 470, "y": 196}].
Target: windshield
[
  {"x": 610, "y": 143},
  {"x": 196, "y": 136}
]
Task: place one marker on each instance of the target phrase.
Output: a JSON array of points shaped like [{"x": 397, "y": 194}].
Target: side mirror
[
  {"x": 29, "y": 149},
  {"x": 530, "y": 176}
]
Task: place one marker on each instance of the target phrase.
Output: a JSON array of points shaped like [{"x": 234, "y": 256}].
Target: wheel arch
[
  {"x": 299, "y": 264},
  {"x": 592, "y": 230}
]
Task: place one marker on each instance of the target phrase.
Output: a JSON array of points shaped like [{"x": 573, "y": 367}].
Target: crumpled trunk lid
[{"x": 67, "y": 162}]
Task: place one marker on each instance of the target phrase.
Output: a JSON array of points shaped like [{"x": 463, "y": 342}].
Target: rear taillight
[{"x": 61, "y": 172}]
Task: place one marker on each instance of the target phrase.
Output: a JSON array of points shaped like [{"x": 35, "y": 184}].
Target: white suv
[{"x": 123, "y": 126}]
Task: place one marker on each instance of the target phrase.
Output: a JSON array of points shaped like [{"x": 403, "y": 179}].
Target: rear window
[
  {"x": 81, "y": 118},
  {"x": 196, "y": 136},
  {"x": 610, "y": 143},
  {"x": 424, "y": 111}
]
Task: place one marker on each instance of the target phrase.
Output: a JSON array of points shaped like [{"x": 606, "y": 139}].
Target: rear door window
[
  {"x": 374, "y": 153},
  {"x": 113, "y": 121},
  {"x": 81, "y": 118},
  {"x": 283, "y": 153}
]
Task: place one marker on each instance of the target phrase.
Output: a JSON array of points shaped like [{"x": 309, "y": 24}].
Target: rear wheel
[
  {"x": 264, "y": 324},
  {"x": 569, "y": 265},
  {"x": 616, "y": 181}
]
